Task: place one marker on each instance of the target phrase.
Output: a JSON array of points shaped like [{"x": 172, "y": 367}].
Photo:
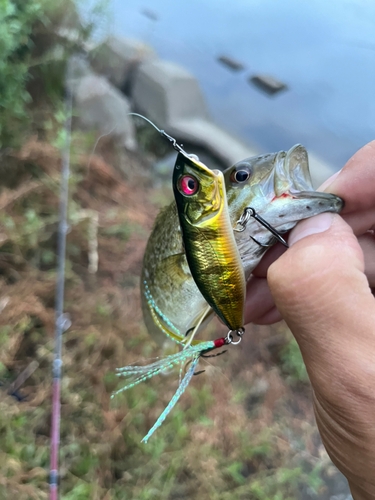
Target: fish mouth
[
  {"x": 282, "y": 195},
  {"x": 294, "y": 197}
]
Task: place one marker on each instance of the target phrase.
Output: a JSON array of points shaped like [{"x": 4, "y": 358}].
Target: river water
[{"x": 323, "y": 50}]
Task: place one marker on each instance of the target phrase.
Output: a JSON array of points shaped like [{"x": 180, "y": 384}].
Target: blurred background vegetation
[{"x": 243, "y": 430}]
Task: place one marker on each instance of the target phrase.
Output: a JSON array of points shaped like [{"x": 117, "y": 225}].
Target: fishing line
[
  {"x": 147, "y": 120},
  {"x": 62, "y": 322},
  {"x": 171, "y": 139},
  {"x": 96, "y": 144}
]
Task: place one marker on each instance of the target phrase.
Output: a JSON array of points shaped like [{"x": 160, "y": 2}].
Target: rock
[
  {"x": 268, "y": 84},
  {"x": 231, "y": 63},
  {"x": 210, "y": 136},
  {"x": 170, "y": 96},
  {"x": 167, "y": 93},
  {"x": 79, "y": 68},
  {"x": 117, "y": 58},
  {"x": 150, "y": 14},
  {"x": 102, "y": 106}
]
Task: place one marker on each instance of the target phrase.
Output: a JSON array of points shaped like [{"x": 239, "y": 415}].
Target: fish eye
[
  {"x": 240, "y": 174},
  {"x": 188, "y": 185}
]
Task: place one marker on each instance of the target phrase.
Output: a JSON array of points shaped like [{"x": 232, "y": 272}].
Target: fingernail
[
  {"x": 328, "y": 182},
  {"x": 317, "y": 224}
]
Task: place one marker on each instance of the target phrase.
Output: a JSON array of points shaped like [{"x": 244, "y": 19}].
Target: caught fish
[
  {"x": 277, "y": 186},
  {"x": 208, "y": 238}
]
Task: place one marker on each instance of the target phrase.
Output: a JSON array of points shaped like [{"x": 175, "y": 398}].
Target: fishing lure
[
  {"x": 213, "y": 234},
  {"x": 208, "y": 238}
]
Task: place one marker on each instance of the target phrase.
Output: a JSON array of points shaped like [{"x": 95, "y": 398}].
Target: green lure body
[{"x": 208, "y": 238}]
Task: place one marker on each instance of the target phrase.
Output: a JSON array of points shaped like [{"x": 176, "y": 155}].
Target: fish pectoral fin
[{"x": 175, "y": 266}]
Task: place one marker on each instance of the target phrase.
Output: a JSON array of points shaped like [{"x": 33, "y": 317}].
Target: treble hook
[
  {"x": 213, "y": 355},
  {"x": 244, "y": 219},
  {"x": 260, "y": 244}
]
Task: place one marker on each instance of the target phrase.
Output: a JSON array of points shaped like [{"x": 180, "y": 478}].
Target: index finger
[{"x": 355, "y": 183}]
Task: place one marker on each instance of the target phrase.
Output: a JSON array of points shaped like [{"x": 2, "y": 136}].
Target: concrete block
[
  {"x": 210, "y": 136},
  {"x": 170, "y": 96},
  {"x": 102, "y": 106},
  {"x": 268, "y": 84},
  {"x": 167, "y": 93},
  {"x": 117, "y": 58}
]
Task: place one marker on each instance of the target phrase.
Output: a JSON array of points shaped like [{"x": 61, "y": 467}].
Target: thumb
[{"x": 320, "y": 289}]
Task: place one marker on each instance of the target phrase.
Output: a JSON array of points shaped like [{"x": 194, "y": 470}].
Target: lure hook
[
  {"x": 259, "y": 243},
  {"x": 213, "y": 355},
  {"x": 244, "y": 219}
]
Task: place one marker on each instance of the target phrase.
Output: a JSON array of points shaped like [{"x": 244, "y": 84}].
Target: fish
[
  {"x": 277, "y": 186},
  {"x": 208, "y": 238}
]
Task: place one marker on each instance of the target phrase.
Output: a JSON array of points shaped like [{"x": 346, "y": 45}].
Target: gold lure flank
[{"x": 209, "y": 242}]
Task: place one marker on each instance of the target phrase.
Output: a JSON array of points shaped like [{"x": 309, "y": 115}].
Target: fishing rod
[{"x": 62, "y": 322}]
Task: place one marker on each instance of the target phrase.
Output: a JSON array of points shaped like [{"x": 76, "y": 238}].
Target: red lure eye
[{"x": 188, "y": 185}]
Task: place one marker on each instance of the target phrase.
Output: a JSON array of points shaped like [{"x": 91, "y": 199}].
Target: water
[{"x": 324, "y": 52}]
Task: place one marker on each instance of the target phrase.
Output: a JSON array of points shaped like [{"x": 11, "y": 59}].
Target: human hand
[{"x": 321, "y": 287}]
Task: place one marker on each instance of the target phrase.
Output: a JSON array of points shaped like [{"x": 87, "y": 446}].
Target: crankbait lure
[
  {"x": 212, "y": 188},
  {"x": 208, "y": 238},
  {"x": 207, "y": 227}
]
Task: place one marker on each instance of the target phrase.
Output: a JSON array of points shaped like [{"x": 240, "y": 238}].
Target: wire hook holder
[{"x": 244, "y": 219}]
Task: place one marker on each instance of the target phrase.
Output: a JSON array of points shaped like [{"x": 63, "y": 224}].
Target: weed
[{"x": 292, "y": 362}]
